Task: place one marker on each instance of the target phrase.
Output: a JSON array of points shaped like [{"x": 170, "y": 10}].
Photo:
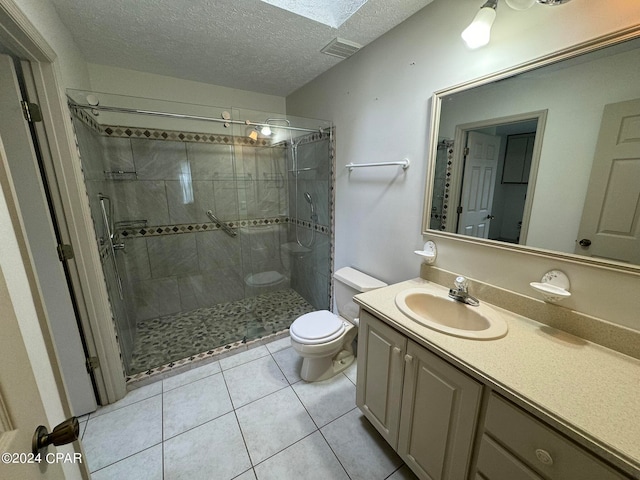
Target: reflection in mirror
[{"x": 548, "y": 158}]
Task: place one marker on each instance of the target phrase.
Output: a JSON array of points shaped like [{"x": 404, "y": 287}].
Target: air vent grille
[{"x": 341, "y": 48}]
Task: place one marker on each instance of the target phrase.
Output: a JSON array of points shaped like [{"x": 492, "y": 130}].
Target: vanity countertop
[{"x": 586, "y": 390}]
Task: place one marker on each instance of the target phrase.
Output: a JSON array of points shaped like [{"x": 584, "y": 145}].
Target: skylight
[{"x": 329, "y": 12}]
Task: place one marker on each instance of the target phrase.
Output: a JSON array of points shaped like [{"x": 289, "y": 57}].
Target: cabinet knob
[
  {"x": 397, "y": 350},
  {"x": 544, "y": 457},
  {"x": 408, "y": 358}
]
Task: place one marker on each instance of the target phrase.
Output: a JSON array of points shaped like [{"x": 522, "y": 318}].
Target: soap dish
[
  {"x": 428, "y": 253},
  {"x": 554, "y": 286}
]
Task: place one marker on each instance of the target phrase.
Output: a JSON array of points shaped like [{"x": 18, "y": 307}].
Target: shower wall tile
[
  {"x": 226, "y": 200},
  {"x": 160, "y": 160},
  {"x": 270, "y": 199},
  {"x": 136, "y": 260},
  {"x": 91, "y": 154},
  {"x": 217, "y": 250},
  {"x": 172, "y": 255},
  {"x": 156, "y": 297},
  {"x": 210, "y": 161},
  {"x": 206, "y": 290},
  {"x": 141, "y": 200},
  {"x": 189, "y": 201},
  {"x": 118, "y": 155},
  {"x": 245, "y": 158},
  {"x": 247, "y": 204}
]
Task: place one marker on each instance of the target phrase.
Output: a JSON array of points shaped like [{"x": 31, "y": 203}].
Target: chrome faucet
[{"x": 461, "y": 292}]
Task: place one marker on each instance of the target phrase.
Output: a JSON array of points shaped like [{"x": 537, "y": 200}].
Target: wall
[
  {"x": 379, "y": 100},
  {"x": 148, "y": 85},
  {"x": 71, "y": 65}
]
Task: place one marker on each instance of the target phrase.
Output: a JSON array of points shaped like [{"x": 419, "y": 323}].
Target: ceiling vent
[{"x": 341, "y": 48}]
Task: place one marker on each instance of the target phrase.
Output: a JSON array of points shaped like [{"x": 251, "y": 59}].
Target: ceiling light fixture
[{"x": 478, "y": 33}]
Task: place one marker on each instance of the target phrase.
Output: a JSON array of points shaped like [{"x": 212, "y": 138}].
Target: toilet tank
[{"x": 350, "y": 282}]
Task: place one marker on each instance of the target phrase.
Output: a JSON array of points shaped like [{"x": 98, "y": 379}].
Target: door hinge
[
  {"x": 65, "y": 252},
  {"x": 92, "y": 364},
  {"x": 31, "y": 112},
  {"x": 465, "y": 152},
  {"x": 459, "y": 210}
]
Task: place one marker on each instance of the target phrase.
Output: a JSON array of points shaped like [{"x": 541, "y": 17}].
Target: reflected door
[
  {"x": 610, "y": 226},
  {"x": 478, "y": 182}
]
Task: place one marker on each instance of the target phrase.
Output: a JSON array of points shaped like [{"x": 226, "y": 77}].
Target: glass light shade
[
  {"x": 266, "y": 131},
  {"x": 520, "y": 4},
  {"x": 478, "y": 33}
]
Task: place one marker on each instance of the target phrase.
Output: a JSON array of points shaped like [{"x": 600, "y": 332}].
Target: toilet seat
[{"x": 316, "y": 327}]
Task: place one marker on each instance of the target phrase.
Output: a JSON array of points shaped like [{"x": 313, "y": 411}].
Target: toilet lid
[{"x": 316, "y": 327}]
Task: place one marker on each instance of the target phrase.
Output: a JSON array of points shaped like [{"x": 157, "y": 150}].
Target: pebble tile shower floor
[
  {"x": 245, "y": 417},
  {"x": 166, "y": 339}
]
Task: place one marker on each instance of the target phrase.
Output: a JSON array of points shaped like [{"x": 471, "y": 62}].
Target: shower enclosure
[{"x": 213, "y": 224}]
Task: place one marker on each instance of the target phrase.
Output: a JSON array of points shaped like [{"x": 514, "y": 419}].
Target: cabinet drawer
[
  {"x": 495, "y": 463},
  {"x": 540, "y": 447}
]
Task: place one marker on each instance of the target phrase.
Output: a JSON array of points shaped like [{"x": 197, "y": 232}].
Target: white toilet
[{"x": 323, "y": 339}]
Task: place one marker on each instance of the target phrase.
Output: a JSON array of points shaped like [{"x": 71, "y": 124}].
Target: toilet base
[{"x": 318, "y": 369}]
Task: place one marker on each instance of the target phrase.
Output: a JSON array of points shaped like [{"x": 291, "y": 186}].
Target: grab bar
[
  {"x": 223, "y": 225},
  {"x": 404, "y": 163}
]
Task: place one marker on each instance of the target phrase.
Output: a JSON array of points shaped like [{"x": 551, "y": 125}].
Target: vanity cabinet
[
  {"x": 424, "y": 407},
  {"x": 516, "y": 445},
  {"x": 429, "y": 412}
]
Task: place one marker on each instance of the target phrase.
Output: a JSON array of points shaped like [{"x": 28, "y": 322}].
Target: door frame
[
  {"x": 23, "y": 40},
  {"x": 457, "y": 167}
]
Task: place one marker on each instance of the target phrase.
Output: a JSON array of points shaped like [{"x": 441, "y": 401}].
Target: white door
[
  {"x": 29, "y": 393},
  {"x": 610, "y": 226},
  {"x": 42, "y": 241},
  {"x": 478, "y": 182}
]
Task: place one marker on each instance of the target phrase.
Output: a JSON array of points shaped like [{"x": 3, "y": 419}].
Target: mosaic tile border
[
  {"x": 177, "y": 366},
  {"x": 159, "y": 230},
  {"x": 123, "y": 131}
]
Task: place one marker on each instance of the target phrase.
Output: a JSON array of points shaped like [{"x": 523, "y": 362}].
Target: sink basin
[{"x": 449, "y": 316}]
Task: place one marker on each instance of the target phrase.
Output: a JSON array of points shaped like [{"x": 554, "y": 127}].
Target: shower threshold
[{"x": 163, "y": 340}]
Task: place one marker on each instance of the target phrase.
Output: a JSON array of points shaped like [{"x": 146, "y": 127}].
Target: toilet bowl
[{"x": 323, "y": 339}]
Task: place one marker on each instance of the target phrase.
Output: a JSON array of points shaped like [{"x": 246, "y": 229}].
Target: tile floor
[{"x": 246, "y": 417}]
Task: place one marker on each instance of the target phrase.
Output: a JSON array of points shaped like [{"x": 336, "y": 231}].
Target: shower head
[
  {"x": 266, "y": 126},
  {"x": 307, "y": 197}
]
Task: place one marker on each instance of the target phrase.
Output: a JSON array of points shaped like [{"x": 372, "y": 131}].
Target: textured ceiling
[{"x": 244, "y": 44}]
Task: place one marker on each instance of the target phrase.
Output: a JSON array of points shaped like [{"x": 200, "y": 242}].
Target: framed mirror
[{"x": 544, "y": 157}]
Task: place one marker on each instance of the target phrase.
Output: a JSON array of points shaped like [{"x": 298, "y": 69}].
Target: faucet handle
[{"x": 461, "y": 283}]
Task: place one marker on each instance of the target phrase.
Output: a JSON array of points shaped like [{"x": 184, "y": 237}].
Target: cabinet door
[
  {"x": 380, "y": 370},
  {"x": 439, "y": 414}
]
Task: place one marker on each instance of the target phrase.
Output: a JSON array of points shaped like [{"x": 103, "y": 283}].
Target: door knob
[
  {"x": 62, "y": 434},
  {"x": 490, "y": 217},
  {"x": 585, "y": 242}
]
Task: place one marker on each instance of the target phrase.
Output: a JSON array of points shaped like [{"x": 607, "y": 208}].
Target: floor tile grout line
[
  {"x": 188, "y": 383},
  {"x": 125, "y": 458},
  {"x": 235, "y": 414},
  {"x": 283, "y": 449},
  {"x": 331, "y": 448},
  {"x": 93, "y": 415}
]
